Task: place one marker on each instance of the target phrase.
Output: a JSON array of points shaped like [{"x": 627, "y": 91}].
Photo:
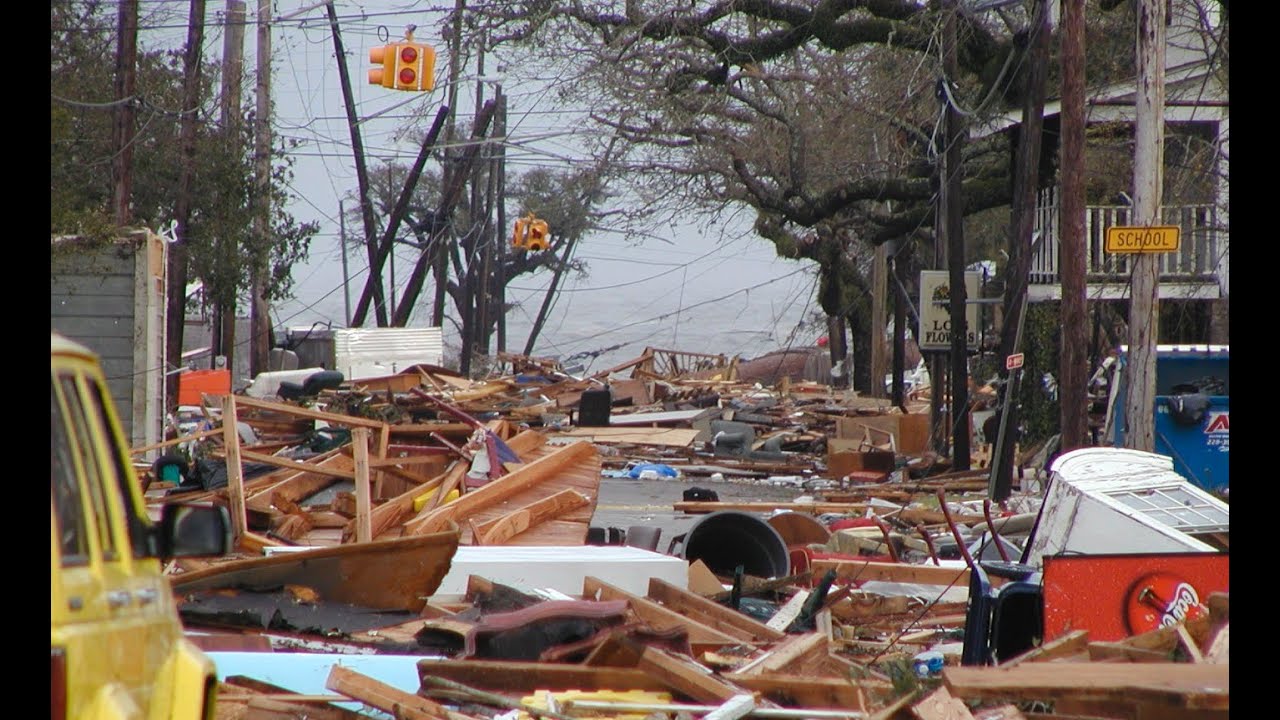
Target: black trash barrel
[{"x": 726, "y": 539}]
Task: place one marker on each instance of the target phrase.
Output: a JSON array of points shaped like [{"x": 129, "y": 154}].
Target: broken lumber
[{"x": 1198, "y": 687}]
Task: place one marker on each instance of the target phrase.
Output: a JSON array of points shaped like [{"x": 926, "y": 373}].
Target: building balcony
[{"x": 1197, "y": 271}]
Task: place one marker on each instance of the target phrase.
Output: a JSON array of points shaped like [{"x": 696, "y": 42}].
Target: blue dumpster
[{"x": 1192, "y": 411}]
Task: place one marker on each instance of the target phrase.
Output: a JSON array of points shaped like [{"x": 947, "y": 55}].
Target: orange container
[{"x": 194, "y": 382}]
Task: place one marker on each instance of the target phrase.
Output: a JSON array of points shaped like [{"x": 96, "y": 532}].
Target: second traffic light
[{"x": 406, "y": 65}]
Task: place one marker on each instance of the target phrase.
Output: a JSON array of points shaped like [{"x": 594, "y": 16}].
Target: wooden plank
[
  {"x": 523, "y": 678},
  {"x": 499, "y": 530},
  {"x": 712, "y": 614},
  {"x": 786, "y": 614},
  {"x": 262, "y": 706},
  {"x": 1118, "y": 651},
  {"x": 655, "y": 614},
  {"x": 667, "y": 437},
  {"x": 298, "y": 486},
  {"x": 1206, "y": 687},
  {"x": 384, "y": 439},
  {"x": 396, "y": 510},
  {"x": 298, "y": 466},
  {"x": 893, "y": 572},
  {"x": 1073, "y": 643},
  {"x": 792, "y": 651},
  {"x": 235, "y": 471},
  {"x": 389, "y": 699},
  {"x": 175, "y": 441},
  {"x": 939, "y": 705},
  {"x": 296, "y": 411},
  {"x": 360, "y": 445},
  {"x": 685, "y": 676},
  {"x": 532, "y": 475},
  {"x": 809, "y": 692}
]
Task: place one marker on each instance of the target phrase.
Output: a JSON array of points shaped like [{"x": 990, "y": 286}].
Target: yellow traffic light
[
  {"x": 537, "y": 236},
  {"x": 531, "y": 234},
  {"x": 382, "y": 75},
  {"x": 415, "y": 66},
  {"x": 405, "y": 65}
]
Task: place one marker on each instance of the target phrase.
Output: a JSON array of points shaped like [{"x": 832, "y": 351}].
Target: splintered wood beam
[
  {"x": 687, "y": 677},
  {"x": 711, "y": 614},
  {"x": 496, "y": 491},
  {"x": 305, "y": 467},
  {"x": 500, "y": 530},
  {"x": 655, "y": 614},
  {"x": 893, "y": 572},
  {"x": 298, "y": 486},
  {"x": 176, "y": 441},
  {"x": 296, "y": 411},
  {"x": 397, "y": 509},
  {"x": 809, "y": 692},
  {"x": 1199, "y": 687},
  {"x": 360, "y": 443},
  {"x": 235, "y": 471},
  {"x": 939, "y": 705},
  {"x": 1073, "y": 643},
  {"x": 384, "y": 697},
  {"x": 795, "y": 650},
  {"x": 527, "y": 677}
]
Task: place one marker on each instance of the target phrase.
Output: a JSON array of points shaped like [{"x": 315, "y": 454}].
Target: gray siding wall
[{"x": 91, "y": 301}]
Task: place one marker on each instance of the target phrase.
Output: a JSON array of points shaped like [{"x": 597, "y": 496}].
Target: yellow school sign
[{"x": 1153, "y": 239}]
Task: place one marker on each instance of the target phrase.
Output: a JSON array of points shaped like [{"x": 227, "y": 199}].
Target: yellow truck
[{"x": 116, "y": 648}]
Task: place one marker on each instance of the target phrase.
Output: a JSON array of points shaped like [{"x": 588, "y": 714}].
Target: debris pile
[{"x": 422, "y": 546}]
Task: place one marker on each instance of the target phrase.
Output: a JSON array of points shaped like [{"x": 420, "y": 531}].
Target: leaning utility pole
[
  {"x": 953, "y": 216},
  {"x": 224, "y": 316},
  {"x": 1148, "y": 187},
  {"x": 126, "y": 84},
  {"x": 374, "y": 281},
  {"x": 1073, "y": 367},
  {"x": 259, "y": 311},
  {"x": 176, "y": 284},
  {"x": 1021, "y": 243}
]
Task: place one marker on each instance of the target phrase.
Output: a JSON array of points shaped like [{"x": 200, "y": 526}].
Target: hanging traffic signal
[
  {"x": 405, "y": 65},
  {"x": 531, "y": 234}
]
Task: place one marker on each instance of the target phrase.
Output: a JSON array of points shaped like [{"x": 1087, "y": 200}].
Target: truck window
[
  {"x": 64, "y": 488},
  {"x": 85, "y": 444},
  {"x": 140, "y": 538}
]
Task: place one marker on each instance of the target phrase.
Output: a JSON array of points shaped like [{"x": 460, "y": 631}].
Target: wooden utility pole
[
  {"x": 385, "y": 248},
  {"x": 1073, "y": 368},
  {"x": 440, "y": 260},
  {"x": 1148, "y": 188},
  {"x": 259, "y": 311},
  {"x": 373, "y": 284},
  {"x": 176, "y": 288},
  {"x": 1026, "y": 178},
  {"x": 500, "y": 281},
  {"x": 472, "y": 279},
  {"x": 346, "y": 277},
  {"x": 879, "y": 286},
  {"x": 953, "y": 201},
  {"x": 899, "y": 323},
  {"x": 224, "y": 316},
  {"x": 450, "y": 194},
  {"x": 126, "y": 86}
]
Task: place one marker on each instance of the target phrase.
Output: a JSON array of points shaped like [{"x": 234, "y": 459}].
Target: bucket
[{"x": 726, "y": 539}]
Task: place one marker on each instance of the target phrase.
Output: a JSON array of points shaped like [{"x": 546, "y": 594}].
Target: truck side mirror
[{"x": 189, "y": 530}]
